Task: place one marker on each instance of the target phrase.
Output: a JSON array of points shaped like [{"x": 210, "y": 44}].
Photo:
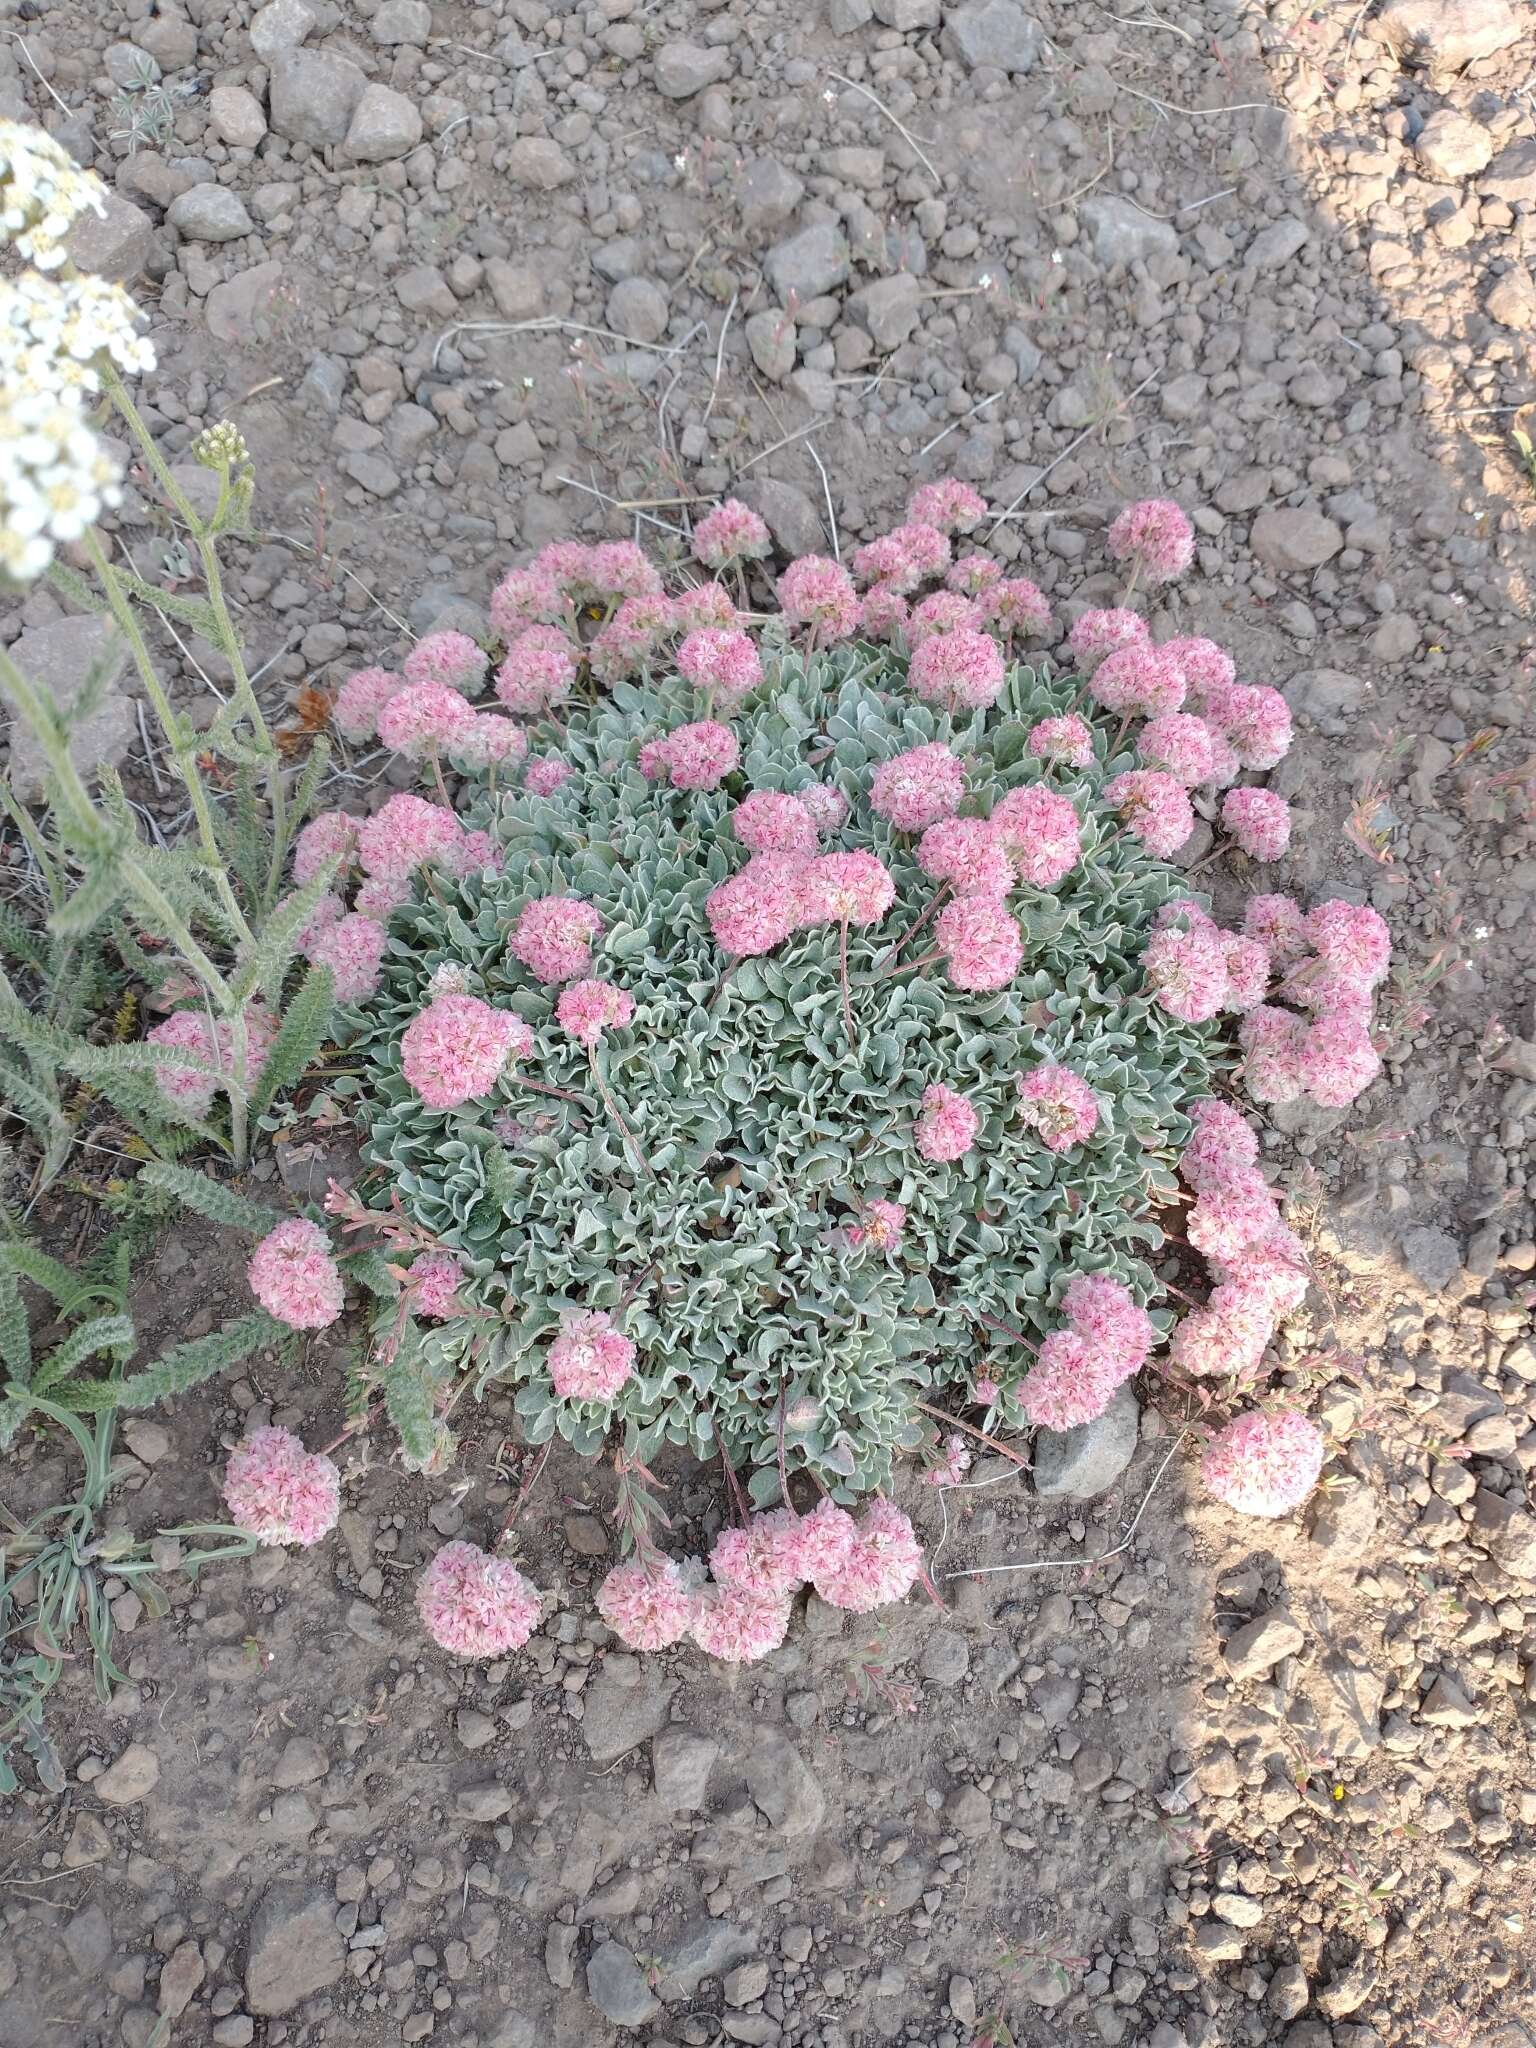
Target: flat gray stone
[
  {"x": 538, "y": 164},
  {"x": 616, "y": 1986},
  {"x": 281, "y": 27},
  {"x": 210, "y": 213},
  {"x": 245, "y": 308},
  {"x": 682, "y": 69},
  {"x": 767, "y": 194},
  {"x": 773, "y": 338},
  {"x": 789, "y": 513},
  {"x": 294, "y": 1950},
  {"x": 637, "y": 309},
  {"x": 236, "y": 116},
  {"x": 402, "y": 21},
  {"x": 314, "y": 95},
  {"x": 1082, "y": 1463},
  {"x": 808, "y": 264},
  {"x": 704, "y": 1948},
  {"x": 1512, "y": 174},
  {"x": 995, "y": 33},
  {"x": 384, "y": 125},
  {"x": 783, "y": 1786},
  {"x": 1432, "y": 1256},
  {"x": 1260, "y": 1644},
  {"x": 1294, "y": 538},
  {"x": 1452, "y": 146},
  {"x": 889, "y": 308},
  {"x": 1445, "y": 36},
  {"x": 1122, "y": 233},
  {"x": 65, "y": 658},
  {"x": 946, "y": 1657},
  {"x": 621, "y": 1715},
  {"x": 1275, "y": 245},
  {"x": 113, "y": 245},
  {"x": 681, "y": 1762}
]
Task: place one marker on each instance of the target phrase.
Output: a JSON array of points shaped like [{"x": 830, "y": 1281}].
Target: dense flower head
[
  {"x": 379, "y": 895},
  {"x": 1098, "y": 633},
  {"x": 1259, "y": 820},
  {"x": 527, "y": 597},
  {"x": 1040, "y": 829},
  {"x": 1264, "y": 1463},
  {"x": 1179, "y": 743},
  {"x": 1016, "y": 605},
  {"x": 702, "y": 604},
  {"x": 1206, "y": 666},
  {"x": 1069, "y": 1383},
  {"x": 1275, "y": 1267},
  {"x": 353, "y": 948},
  {"x": 1226, "y": 1338},
  {"x": 649, "y": 1609},
  {"x": 981, "y": 943},
  {"x": 434, "y": 1280},
  {"x": 280, "y": 1493},
  {"x": 488, "y": 741},
  {"x": 972, "y": 574},
  {"x": 327, "y": 836},
  {"x": 945, "y": 611},
  {"x": 422, "y": 718},
  {"x": 43, "y": 191},
  {"x": 538, "y": 670},
  {"x": 192, "y": 1089},
  {"x": 1352, "y": 938},
  {"x": 757, "y": 908},
  {"x": 881, "y": 1224},
  {"x": 631, "y": 637},
  {"x": 947, "y": 1125},
  {"x": 475, "y": 853},
  {"x": 1059, "y": 1104},
  {"x": 1338, "y": 1060},
  {"x": 1155, "y": 807},
  {"x": 458, "y": 1047},
  {"x": 969, "y": 854},
  {"x": 739, "y": 1624},
  {"x": 1156, "y": 536},
  {"x": 1247, "y": 971},
  {"x": 700, "y": 756},
  {"x": 476, "y": 1605},
  {"x": 1103, "y": 1312},
  {"x": 826, "y": 803},
  {"x": 1187, "y": 972},
  {"x": 403, "y": 834},
  {"x": 1279, "y": 924},
  {"x": 814, "y": 591},
  {"x": 590, "y": 1360},
  {"x": 294, "y": 1277},
  {"x": 731, "y": 533},
  {"x": 771, "y": 821},
  {"x": 1220, "y": 1141},
  {"x": 328, "y": 911},
  {"x": 1066, "y": 738},
  {"x": 887, "y": 563},
  {"x": 721, "y": 663},
  {"x": 883, "y": 613},
  {"x": 1231, "y": 1212},
  {"x": 853, "y": 886},
  {"x": 587, "y": 1009},
  {"x": 764, "y": 1555},
  {"x": 553, "y": 937},
  {"x": 1272, "y": 1040},
  {"x": 567, "y": 562},
  {"x": 359, "y": 701},
  {"x": 542, "y": 777},
  {"x": 918, "y": 787},
  {"x": 948, "y": 504},
  {"x": 882, "y": 1562},
  {"x": 620, "y": 568},
  {"x": 821, "y": 1540},
  {"x": 1140, "y": 681},
  {"x": 1255, "y": 720},
  {"x": 924, "y": 546},
  {"x": 451, "y": 660}
]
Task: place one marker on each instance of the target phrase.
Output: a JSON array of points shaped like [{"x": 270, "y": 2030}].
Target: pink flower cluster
[
  {"x": 695, "y": 757},
  {"x": 981, "y": 943},
  {"x": 769, "y": 821},
  {"x": 537, "y": 671},
  {"x": 1333, "y": 959},
  {"x": 722, "y": 664},
  {"x": 458, "y": 1047},
  {"x": 1077, "y": 1369},
  {"x": 590, "y": 1360},
  {"x": 1259, "y": 821},
  {"x": 814, "y": 592},
  {"x": 1156, "y": 537},
  {"x": 433, "y": 1281},
  {"x": 279, "y": 1492},
  {"x": 958, "y": 671},
  {"x": 359, "y": 702},
  {"x": 446, "y": 661},
  {"x": 1062, "y": 739},
  {"x": 1059, "y": 1105},
  {"x": 880, "y": 1225},
  {"x": 475, "y": 1605},
  {"x": 918, "y": 787},
  {"x": 553, "y": 937},
  {"x": 731, "y": 533},
  {"x": 294, "y": 1277},
  {"x": 947, "y": 1124},
  {"x": 1264, "y": 1462},
  {"x": 968, "y": 854},
  {"x": 949, "y": 505},
  {"x": 1040, "y": 830},
  {"x": 587, "y": 1009},
  {"x": 210, "y": 1041}
]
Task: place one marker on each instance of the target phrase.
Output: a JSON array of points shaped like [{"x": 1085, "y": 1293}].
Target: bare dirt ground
[{"x": 471, "y": 278}]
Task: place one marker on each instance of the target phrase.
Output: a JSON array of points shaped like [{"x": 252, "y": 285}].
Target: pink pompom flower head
[
  {"x": 1062, "y": 739},
  {"x": 1156, "y": 538},
  {"x": 1259, "y": 821},
  {"x": 587, "y": 1009},
  {"x": 553, "y": 937},
  {"x": 884, "y": 613},
  {"x": 1103, "y": 1312},
  {"x": 542, "y": 777},
  {"x": 433, "y": 1281},
  {"x": 722, "y": 664},
  {"x": 648, "y": 1606},
  {"x": 739, "y": 1624},
  {"x": 527, "y": 597},
  {"x": 359, "y": 701},
  {"x": 852, "y": 888},
  {"x": 590, "y": 1360},
  {"x": 295, "y": 1278},
  {"x": 1187, "y": 972},
  {"x": 968, "y": 854},
  {"x": 945, "y": 611},
  {"x": 826, "y": 803},
  {"x": 617, "y": 569},
  {"x": 488, "y": 742},
  {"x": 1017, "y": 606},
  {"x": 959, "y": 671},
  {"x": 1255, "y": 720},
  {"x": 972, "y": 575},
  {"x": 948, "y": 504},
  {"x": 329, "y": 835},
  {"x": 353, "y": 949},
  {"x": 947, "y": 1124},
  {"x": 757, "y": 909},
  {"x": 458, "y": 1047},
  {"x": 1264, "y": 1463},
  {"x": 1247, "y": 972},
  {"x": 404, "y": 834},
  {"x": 1338, "y": 1061},
  {"x": 769, "y": 821},
  {"x": 1039, "y": 827},
  {"x": 1154, "y": 808},
  {"x": 475, "y": 1605},
  {"x": 192, "y": 1089},
  {"x": 880, "y": 1226},
  {"x": 1220, "y": 1141},
  {"x": 451, "y": 660},
  {"x": 918, "y": 787},
  {"x": 632, "y": 636},
  {"x": 1179, "y": 744},
  {"x": 1206, "y": 666},
  {"x": 881, "y": 1562},
  {"x": 814, "y": 592},
  {"x": 280, "y": 1493},
  {"x": 1272, "y": 1040},
  {"x": 1279, "y": 924},
  {"x": 980, "y": 942},
  {"x": 1353, "y": 939},
  {"x": 424, "y": 719},
  {"x": 1096, "y": 634},
  {"x": 764, "y": 1555},
  {"x": 1059, "y": 1104},
  {"x": 731, "y": 533},
  {"x": 1138, "y": 681},
  {"x": 700, "y": 756},
  {"x": 1069, "y": 1383},
  {"x": 538, "y": 671}
]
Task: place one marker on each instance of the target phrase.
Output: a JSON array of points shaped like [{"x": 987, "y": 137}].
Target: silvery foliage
[{"x": 759, "y": 1327}]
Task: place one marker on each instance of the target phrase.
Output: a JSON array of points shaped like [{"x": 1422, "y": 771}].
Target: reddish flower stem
[{"x": 992, "y": 1443}]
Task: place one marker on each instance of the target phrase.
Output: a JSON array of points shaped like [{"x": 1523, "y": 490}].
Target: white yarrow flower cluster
[
  {"x": 43, "y": 192},
  {"x": 55, "y": 478}
]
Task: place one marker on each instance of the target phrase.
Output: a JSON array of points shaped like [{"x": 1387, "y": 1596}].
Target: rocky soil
[{"x": 470, "y": 278}]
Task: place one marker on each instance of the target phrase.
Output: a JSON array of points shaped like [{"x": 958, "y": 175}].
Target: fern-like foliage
[
  {"x": 188, "y": 1365},
  {"x": 208, "y": 1197}
]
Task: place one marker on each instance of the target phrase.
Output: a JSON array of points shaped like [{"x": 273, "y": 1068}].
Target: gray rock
[
  {"x": 616, "y": 1986},
  {"x": 1084, "y": 1462},
  {"x": 384, "y": 125},
  {"x": 745, "y": 1984},
  {"x": 704, "y": 1948},
  {"x": 1288, "y": 1992},
  {"x": 783, "y": 1785},
  {"x": 303, "y": 1762},
  {"x": 1347, "y": 1703},
  {"x": 516, "y": 287},
  {"x": 1045, "y": 1984},
  {"x": 907, "y": 15},
  {"x": 1294, "y": 538},
  {"x": 1432, "y": 1256},
  {"x": 1445, "y": 36},
  {"x": 184, "y": 1971},
  {"x": 773, "y": 338},
  {"x": 1512, "y": 174},
  {"x": 1445, "y": 1705},
  {"x": 1452, "y": 146},
  {"x": 1237, "y": 1909},
  {"x": 808, "y": 264},
  {"x": 402, "y": 21},
  {"x": 682, "y": 69},
  {"x": 889, "y": 308},
  {"x": 66, "y": 658},
  {"x": 1326, "y": 698},
  {"x": 323, "y": 386},
  {"x": 210, "y": 213},
  {"x": 238, "y": 2031},
  {"x": 88, "y": 1939},
  {"x": 1512, "y": 301},
  {"x": 1506, "y": 1532},
  {"x": 128, "y": 65},
  {"x": 997, "y": 33},
  {"x": 560, "y": 1953},
  {"x": 114, "y": 244},
  {"x": 796, "y": 525},
  {"x": 294, "y": 1949},
  {"x": 623, "y": 1711},
  {"x": 170, "y": 39},
  {"x": 767, "y": 194},
  {"x": 969, "y": 1812},
  {"x": 638, "y": 310},
  {"x": 1349, "y": 1990},
  {"x": 380, "y": 479},
  {"x": 844, "y": 16},
  {"x": 486, "y": 1802},
  {"x": 236, "y": 116},
  {"x": 1277, "y": 244},
  {"x": 313, "y": 96},
  {"x": 1122, "y": 233},
  {"x": 946, "y": 1657},
  {"x": 281, "y": 27},
  {"x": 538, "y": 164},
  {"x": 1343, "y": 1522},
  {"x": 681, "y": 1762},
  {"x": 1260, "y": 1644}
]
